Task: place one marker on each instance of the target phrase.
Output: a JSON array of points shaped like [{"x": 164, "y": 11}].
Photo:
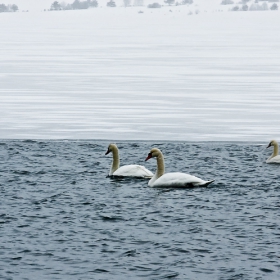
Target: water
[
  {"x": 157, "y": 76},
  {"x": 62, "y": 218},
  {"x": 116, "y": 74}
]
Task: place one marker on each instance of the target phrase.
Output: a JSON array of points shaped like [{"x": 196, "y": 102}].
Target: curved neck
[
  {"x": 275, "y": 150},
  {"x": 116, "y": 161},
  {"x": 160, "y": 169},
  {"x": 160, "y": 166}
]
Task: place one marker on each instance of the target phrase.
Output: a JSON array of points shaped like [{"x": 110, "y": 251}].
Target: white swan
[
  {"x": 274, "y": 158},
  {"x": 126, "y": 170},
  {"x": 175, "y": 179}
]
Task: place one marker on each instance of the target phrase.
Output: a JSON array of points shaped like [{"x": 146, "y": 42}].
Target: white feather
[
  {"x": 178, "y": 180},
  {"x": 133, "y": 171}
]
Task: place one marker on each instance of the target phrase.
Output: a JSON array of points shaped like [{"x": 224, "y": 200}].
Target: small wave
[
  {"x": 99, "y": 270},
  {"x": 108, "y": 218},
  {"x": 29, "y": 141},
  {"x": 266, "y": 270},
  {"x": 130, "y": 253}
]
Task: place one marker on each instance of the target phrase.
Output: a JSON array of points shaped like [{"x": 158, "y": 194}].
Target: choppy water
[{"x": 62, "y": 218}]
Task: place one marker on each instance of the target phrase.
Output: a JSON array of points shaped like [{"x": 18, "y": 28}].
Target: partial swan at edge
[
  {"x": 274, "y": 158},
  {"x": 174, "y": 179},
  {"x": 132, "y": 170}
]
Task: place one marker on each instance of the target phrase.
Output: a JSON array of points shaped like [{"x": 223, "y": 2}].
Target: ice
[{"x": 115, "y": 74}]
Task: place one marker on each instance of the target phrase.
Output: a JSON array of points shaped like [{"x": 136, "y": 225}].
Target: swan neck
[
  {"x": 116, "y": 161},
  {"x": 160, "y": 166},
  {"x": 160, "y": 170},
  {"x": 275, "y": 150}
]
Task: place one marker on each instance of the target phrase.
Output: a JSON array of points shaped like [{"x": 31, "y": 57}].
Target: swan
[
  {"x": 274, "y": 158},
  {"x": 126, "y": 170},
  {"x": 174, "y": 179}
]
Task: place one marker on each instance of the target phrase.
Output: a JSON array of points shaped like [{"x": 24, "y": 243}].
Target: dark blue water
[{"x": 62, "y": 218}]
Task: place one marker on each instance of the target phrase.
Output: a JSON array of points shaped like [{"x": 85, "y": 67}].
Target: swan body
[
  {"x": 178, "y": 180},
  {"x": 132, "y": 170},
  {"x": 174, "y": 179},
  {"x": 274, "y": 158}
]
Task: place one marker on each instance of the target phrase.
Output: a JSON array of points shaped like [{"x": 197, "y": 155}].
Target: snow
[{"x": 116, "y": 74}]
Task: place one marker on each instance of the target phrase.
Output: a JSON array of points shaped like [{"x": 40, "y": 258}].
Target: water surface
[
  {"x": 116, "y": 74},
  {"x": 62, "y": 218}
]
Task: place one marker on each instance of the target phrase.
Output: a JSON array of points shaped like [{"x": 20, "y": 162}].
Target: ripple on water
[{"x": 62, "y": 216}]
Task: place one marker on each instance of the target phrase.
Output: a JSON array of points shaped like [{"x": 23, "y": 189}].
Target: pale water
[
  {"x": 62, "y": 218},
  {"x": 116, "y": 74}
]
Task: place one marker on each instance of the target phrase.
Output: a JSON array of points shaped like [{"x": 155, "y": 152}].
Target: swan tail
[
  {"x": 208, "y": 183},
  {"x": 205, "y": 184}
]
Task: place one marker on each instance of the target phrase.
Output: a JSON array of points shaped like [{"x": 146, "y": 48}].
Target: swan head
[
  {"x": 153, "y": 153},
  {"x": 111, "y": 147},
  {"x": 272, "y": 143}
]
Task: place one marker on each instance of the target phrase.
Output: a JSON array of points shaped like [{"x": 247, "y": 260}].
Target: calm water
[
  {"x": 62, "y": 218},
  {"x": 116, "y": 74}
]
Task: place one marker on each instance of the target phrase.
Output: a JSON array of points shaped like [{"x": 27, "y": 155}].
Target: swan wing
[
  {"x": 179, "y": 180},
  {"x": 274, "y": 159},
  {"x": 133, "y": 171}
]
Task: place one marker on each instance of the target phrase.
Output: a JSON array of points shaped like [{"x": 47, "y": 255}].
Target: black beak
[
  {"x": 148, "y": 157},
  {"x": 108, "y": 151},
  {"x": 269, "y": 145}
]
